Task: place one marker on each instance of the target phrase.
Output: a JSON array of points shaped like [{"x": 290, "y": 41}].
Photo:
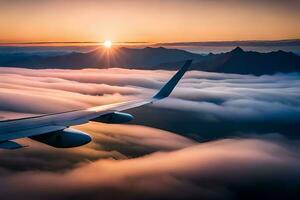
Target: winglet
[{"x": 166, "y": 90}]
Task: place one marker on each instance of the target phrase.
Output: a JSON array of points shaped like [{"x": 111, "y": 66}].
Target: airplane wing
[{"x": 53, "y": 129}]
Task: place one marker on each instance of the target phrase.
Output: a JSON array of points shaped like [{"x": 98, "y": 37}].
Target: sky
[
  {"x": 148, "y": 21},
  {"x": 250, "y": 125}
]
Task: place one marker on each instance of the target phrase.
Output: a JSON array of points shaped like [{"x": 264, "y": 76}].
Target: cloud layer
[
  {"x": 227, "y": 169},
  {"x": 259, "y": 115}
]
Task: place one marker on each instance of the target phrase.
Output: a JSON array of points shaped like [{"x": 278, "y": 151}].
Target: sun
[{"x": 107, "y": 43}]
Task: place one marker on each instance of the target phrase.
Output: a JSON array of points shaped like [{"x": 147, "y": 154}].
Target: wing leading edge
[{"x": 32, "y": 126}]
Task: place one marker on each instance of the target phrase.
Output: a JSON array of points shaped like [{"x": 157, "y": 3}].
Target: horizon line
[
  {"x": 145, "y": 42},
  {"x": 71, "y": 42},
  {"x": 279, "y": 42}
]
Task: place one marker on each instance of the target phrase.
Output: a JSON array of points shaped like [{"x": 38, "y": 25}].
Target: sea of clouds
[{"x": 219, "y": 136}]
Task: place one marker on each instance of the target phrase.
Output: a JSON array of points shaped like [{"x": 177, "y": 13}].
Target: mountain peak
[
  {"x": 155, "y": 48},
  {"x": 237, "y": 50}
]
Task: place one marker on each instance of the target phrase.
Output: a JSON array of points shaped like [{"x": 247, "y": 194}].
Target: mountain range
[{"x": 236, "y": 61}]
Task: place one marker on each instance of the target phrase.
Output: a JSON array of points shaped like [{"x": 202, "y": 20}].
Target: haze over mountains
[
  {"x": 252, "y": 43},
  {"x": 236, "y": 61}
]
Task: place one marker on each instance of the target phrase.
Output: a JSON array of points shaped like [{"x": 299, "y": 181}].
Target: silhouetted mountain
[
  {"x": 100, "y": 58},
  {"x": 240, "y": 62},
  {"x": 235, "y": 61}
]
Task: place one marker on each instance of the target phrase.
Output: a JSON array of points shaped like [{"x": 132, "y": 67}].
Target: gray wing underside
[{"x": 42, "y": 124}]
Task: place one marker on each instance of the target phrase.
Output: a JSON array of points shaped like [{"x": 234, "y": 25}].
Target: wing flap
[
  {"x": 10, "y": 145},
  {"x": 30, "y": 132}
]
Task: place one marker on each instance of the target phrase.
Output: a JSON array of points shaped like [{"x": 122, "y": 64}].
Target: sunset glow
[{"x": 144, "y": 21}]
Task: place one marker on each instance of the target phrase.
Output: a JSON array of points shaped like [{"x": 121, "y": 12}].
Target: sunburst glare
[{"x": 107, "y": 43}]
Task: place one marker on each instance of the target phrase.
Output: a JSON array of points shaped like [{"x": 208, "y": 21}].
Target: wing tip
[
  {"x": 189, "y": 61},
  {"x": 166, "y": 90}
]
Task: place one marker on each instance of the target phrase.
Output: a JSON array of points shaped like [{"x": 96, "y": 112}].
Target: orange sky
[{"x": 150, "y": 21}]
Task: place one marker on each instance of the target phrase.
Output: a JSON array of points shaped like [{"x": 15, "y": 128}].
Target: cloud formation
[
  {"x": 259, "y": 115},
  {"x": 224, "y": 169}
]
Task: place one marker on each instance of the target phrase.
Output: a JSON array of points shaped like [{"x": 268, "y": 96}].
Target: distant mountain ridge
[
  {"x": 258, "y": 43},
  {"x": 241, "y": 62},
  {"x": 236, "y": 61}
]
